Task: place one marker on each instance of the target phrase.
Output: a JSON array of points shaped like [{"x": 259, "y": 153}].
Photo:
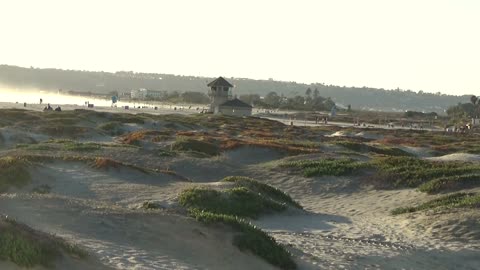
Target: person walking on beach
[{"x": 41, "y": 101}]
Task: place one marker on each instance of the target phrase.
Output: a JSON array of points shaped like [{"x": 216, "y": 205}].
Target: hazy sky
[{"x": 429, "y": 45}]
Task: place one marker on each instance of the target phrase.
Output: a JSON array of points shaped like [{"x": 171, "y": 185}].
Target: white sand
[
  {"x": 457, "y": 157},
  {"x": 362, "y": 134},
  {"x": 367, "y": 135},
  {"x": 340, "y": 134}
]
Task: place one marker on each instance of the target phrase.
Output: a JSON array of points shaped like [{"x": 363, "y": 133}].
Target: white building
[
  {"x": 475, "y": 122},
  {"x": 143, "y": 93}
]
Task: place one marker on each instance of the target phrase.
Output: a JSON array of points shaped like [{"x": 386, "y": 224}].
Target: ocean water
[{"x": 33, "y": 97}]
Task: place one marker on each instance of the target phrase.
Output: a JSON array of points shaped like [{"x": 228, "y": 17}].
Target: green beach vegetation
[
  {"x": 246, "y": 199},
  {"x": 13, "y": 173},
  {"x": 365, "y": 148},
  {"x": 414, "y": 172},
  {"x": 188, "y": 145},
  {"x": 28, "y": 248},
  {"x": 455, "y": 200},
  {"x": 328, "y": 166}
]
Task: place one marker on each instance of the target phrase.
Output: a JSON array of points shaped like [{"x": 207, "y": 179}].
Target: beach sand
[{"x": 345, "y": 224}]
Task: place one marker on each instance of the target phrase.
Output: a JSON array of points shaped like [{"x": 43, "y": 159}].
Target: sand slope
[
  {"x": 132, "y": 240},
  {"x": 348, "y": 226}
]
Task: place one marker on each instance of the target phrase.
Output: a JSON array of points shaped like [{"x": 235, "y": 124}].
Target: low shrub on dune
[
  {"x": 78, "y": 146},
  {"x": 133, "y": 138},
  {"x": 64, "y": 130},
  {"x": 13, "y": 173},
  {"x": 113, "y": 128},
  {"x": 35, "y": 146},
  {"x": 249, "y": 238},
  {"x": 28, "y": 248},
  {"x": 250, "y": 199},
  {"x": 2, "y": 140},
  {"x": 107, "y": 163},
  {"x": 237, "y": 201},
  {"x": 185, "y": 144},
  {"x": 291, "y": 147},
  {"x": 127, "y": 118},
  {"x": 12, "y": 116},
  {"x": 413, "y": 172},
  {"x": 263, "y": 189},
  {"x": 329, "y": 166},
  {"x": 450, "y": 183},
  {"x": 456, "y": 200},
  {"x": 398, "y": 141},
  {"x": 60, "y": 119},
  {"x": 382, "y": 150}
]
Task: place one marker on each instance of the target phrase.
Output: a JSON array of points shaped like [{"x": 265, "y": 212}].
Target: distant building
[
  {"x": 475, "y": 122},
  {"x": 138, "y": 93},
  {"x": 221, "y": 102},
  {"x": 143, "y": 94},
  {"x": 125, "y": 95}
]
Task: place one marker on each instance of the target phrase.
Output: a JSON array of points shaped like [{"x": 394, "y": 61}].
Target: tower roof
[
  {"x": 220, "y": 81},
  {"x": 236, "y": 103}
]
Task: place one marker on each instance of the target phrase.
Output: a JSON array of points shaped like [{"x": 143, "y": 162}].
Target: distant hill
[{"x": 105, "y": 82}]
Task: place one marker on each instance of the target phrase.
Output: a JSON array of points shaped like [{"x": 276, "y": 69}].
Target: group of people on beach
[
  {"x": 324, "y": 120},
  {"x": 458, "y": 128},
  {"x": 49, "y": 108}
]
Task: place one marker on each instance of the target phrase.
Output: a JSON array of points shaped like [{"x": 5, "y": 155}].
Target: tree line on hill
[
  {"x": 311, "y": 101},
  {"x": 106, "y": 82},
  {"x": 463, "y": 111},
  {"x": 192, "y": 97}
]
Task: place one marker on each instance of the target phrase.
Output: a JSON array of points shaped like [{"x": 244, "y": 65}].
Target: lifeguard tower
[{"x": 219, "y": 93}]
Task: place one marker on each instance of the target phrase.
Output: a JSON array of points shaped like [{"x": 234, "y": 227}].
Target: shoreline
[{"x": 186, "y": 109}]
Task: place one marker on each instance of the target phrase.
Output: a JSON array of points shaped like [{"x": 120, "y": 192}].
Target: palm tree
[
  {"x": 308, "y": 93},
  {"x": 473, "y": 99},
  {"x": 316, "y": 93}
]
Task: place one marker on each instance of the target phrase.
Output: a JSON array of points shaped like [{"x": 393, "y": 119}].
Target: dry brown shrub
[
  {"x": 398, "y": 141},
  {"x": 105, "y": 163},
  {"x": 137, "y": 136},
  {"x": 230, "y": 144},
  {"x": 186, "y": 133},
  {"x": 258, "y": 134},
  {"x": 132, "y": 137}
]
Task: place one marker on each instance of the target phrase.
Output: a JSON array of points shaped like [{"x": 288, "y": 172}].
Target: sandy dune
[
  {"x": 348, "y": 226},
  {"x": 346, "y": 223}
]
